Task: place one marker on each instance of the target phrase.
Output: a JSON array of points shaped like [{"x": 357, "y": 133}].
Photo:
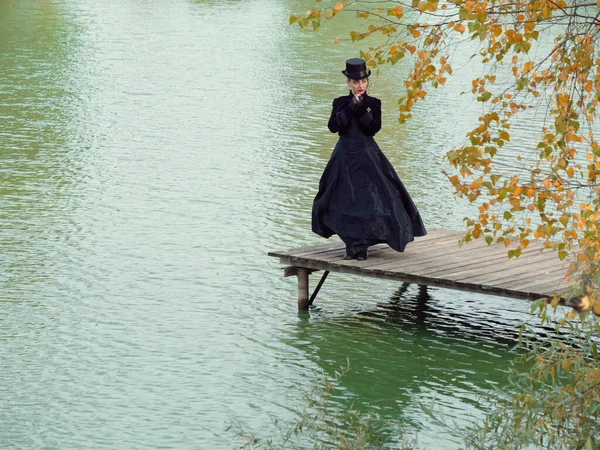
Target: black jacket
[{"x": 367, "y": 112}]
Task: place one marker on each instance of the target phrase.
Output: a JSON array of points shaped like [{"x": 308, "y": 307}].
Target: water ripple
[{"x": 151, "y": 160}]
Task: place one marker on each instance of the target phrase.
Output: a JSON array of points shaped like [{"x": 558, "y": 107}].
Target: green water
[{"x": 151, "y": 153}]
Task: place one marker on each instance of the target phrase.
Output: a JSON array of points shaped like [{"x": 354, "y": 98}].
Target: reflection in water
[
  {"x": 408, "y": 350},
  {"x": 36, "y": 145},
  {"x": 421, "y": 307},
  {"x": 421, "y": 310},
  {"x": 465, "y": 321}
]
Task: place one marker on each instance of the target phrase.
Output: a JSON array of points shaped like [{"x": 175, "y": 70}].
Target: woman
[{"x": 361, "y": 198}]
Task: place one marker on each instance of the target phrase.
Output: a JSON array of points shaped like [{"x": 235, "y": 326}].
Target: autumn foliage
[{"x": 531, "y": 54}]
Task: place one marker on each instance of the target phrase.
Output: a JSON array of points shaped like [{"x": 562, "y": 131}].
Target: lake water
[{"x": 151, "y": 154}]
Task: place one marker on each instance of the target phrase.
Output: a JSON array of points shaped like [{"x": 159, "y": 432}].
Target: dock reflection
[{"x": 417, "y": 347}]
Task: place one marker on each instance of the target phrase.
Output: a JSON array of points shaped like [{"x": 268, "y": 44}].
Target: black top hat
[{"x": 356, "y": 68}]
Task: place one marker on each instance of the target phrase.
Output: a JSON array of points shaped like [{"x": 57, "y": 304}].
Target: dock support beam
[
  {"x": 302, "y": 287},
  {"x": 302, "y": 274},
  {"x": 318, "y": 288}
]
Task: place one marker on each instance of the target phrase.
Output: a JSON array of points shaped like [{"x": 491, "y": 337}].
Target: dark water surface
[{"x": 151, "y": 153}]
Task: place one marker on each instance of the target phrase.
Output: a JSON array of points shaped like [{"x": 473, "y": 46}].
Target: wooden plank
[
  {"x": 514, "y": 269},
  {"x": 337, "y": 251},
  {"x": 545, "y": 286},
  {"x": 353, "y": 268},
  {"x": 433, "y": 255},
  {"x": 438, "y": 263},
  {"x": 438, "y": 235},
  {"x": 409, "y": 256},
  {"x": 320, "y": 251},
  {"x": 329, "y": 255},
  {"x": 475, "y": 262},
  {"x": 317, "y": 250},
  {"x": 531, "y": 256},
  {"x": 437, "y": 260},
  {"x": 292, "y": 271},
  {"x": 311, "y": 248},
  {"x": 484, "y": 252},
  {"x": 485, "y": 278},
  {"x": 533, "y": 284},
  {"x": 433, "y": 235}
]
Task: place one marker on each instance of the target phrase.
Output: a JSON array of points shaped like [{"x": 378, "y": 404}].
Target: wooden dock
[{"x": 436, "y": 260}]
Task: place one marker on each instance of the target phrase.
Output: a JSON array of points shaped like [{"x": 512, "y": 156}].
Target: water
[{"x": 151, "y": 154}]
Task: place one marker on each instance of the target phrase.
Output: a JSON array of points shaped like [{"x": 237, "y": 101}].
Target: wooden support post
[
  {"x": 302, "y": 288},
  {"x": 318, "y": 288}
]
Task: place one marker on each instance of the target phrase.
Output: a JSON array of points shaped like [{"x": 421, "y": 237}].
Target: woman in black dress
[{"x": 361, "y": 198}]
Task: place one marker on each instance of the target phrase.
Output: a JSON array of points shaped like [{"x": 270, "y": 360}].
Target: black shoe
[{"x": 360, "y": 256}]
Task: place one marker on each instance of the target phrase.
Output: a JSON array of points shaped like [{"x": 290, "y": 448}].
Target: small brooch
[{"x": 369, "y": 109}]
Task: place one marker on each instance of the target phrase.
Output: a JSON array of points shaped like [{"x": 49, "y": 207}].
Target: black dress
[{"x": 361, "y": 198}]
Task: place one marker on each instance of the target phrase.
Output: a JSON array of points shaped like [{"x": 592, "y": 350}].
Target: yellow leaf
[
  {"x": 476, "y": 184},
  {"x": 504, "y": 136},
  {"x": 338, "y": 7},
  {"x": 460, "y": 28},
  {"x": 583, "y": 257},
  {"x": 415, "y": 32},
  {"x": 397, "y": 11}
]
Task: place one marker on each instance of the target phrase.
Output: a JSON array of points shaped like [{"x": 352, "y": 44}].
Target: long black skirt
[{"x": 362, "y": 199}]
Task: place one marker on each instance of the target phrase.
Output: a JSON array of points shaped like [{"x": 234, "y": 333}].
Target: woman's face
[{"x": 358, "y": 87}]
